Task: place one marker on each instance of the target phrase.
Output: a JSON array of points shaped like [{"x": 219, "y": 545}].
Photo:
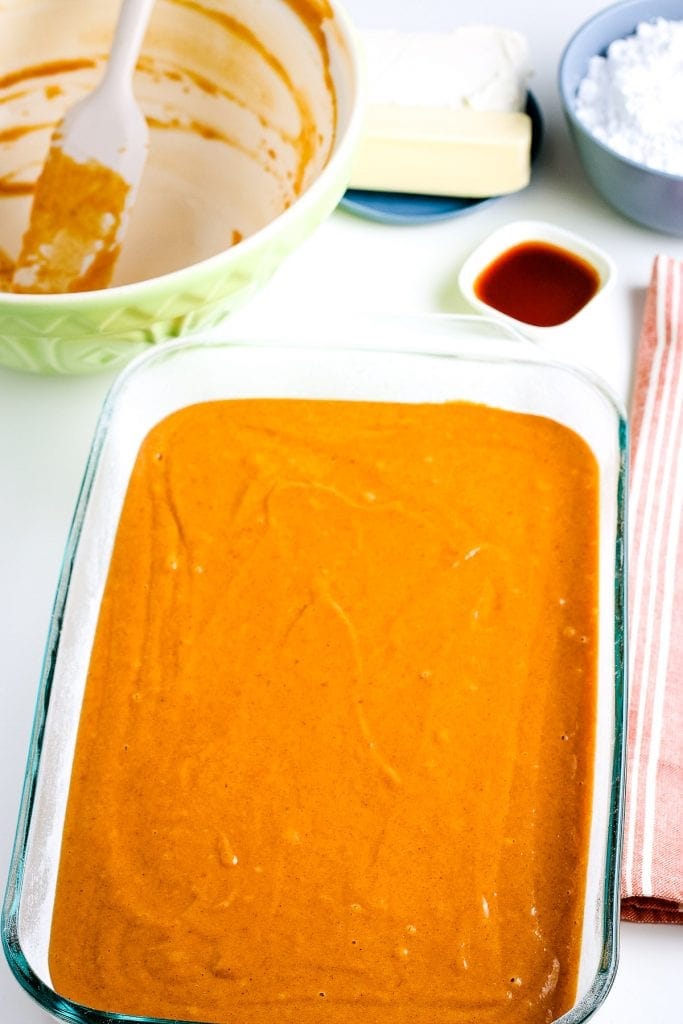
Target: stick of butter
[{"x": 445, "y": 113}]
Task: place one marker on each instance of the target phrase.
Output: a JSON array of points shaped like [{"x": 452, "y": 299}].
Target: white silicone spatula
[{"x": 90, "y": 176}]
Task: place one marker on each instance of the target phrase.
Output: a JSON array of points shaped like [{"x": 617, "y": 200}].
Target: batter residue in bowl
[
  {"x": 242, "y": 106},
  {"x": 74, "y": 236},
  {"x": 337, "y": 739}
]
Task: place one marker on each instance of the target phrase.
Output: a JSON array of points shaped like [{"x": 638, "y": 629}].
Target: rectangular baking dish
[{"x": 425, "y": 359}]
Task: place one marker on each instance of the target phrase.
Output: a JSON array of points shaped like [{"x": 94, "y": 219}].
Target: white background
[{"x": 349, "y": 264}]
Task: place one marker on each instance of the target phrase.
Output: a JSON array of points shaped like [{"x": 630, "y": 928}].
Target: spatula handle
[{"x": 130, "y": 31}]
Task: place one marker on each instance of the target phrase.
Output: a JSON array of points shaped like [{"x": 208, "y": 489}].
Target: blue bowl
[{"x": 650, "y": 197}]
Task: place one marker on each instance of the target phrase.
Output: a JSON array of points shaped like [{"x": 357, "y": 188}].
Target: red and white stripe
[{"x": 652, "y": 881}]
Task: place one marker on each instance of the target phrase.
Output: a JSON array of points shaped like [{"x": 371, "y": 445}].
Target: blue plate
[{"x": 411, "y": 208}]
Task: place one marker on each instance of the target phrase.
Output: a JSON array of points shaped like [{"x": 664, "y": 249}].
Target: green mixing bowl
[{"x": 254, "y": 113}]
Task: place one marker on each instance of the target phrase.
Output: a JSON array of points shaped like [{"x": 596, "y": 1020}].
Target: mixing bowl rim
[{"x": 342, "y": 147}]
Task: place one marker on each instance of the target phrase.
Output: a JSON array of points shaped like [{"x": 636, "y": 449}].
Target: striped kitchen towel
[{"x": 652, "y": 878}]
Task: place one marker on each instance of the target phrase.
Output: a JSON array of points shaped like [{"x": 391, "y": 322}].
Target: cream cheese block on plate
[{"x": 445, "y": 112}]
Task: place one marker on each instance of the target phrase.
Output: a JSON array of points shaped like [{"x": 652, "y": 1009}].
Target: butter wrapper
[{"x": 481, "y": 67}]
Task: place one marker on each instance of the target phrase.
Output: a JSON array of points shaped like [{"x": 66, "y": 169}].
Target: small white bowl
[{"x": 517, "y": 233}]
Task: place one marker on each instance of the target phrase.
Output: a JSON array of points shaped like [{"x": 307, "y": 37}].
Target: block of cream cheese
[{"x": 444, "y": 113}]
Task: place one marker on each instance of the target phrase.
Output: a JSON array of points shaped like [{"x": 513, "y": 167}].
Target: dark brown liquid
[{"x": 538, "y": 283}]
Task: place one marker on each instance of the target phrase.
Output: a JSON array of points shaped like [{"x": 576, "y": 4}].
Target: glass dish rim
[{"x": 526, "y": 353}]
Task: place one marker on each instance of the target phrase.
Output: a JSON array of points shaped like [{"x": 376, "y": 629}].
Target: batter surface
[{"x": 334, "y": 756}]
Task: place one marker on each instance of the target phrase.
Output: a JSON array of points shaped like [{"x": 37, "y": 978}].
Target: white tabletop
[{"x": 348, "y": 264}]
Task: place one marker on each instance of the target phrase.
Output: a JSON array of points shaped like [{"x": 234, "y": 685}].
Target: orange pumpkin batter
[{"x": 334, "y": 762}]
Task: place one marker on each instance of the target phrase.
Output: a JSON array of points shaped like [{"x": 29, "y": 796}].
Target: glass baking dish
[{"x": 407, "y": 359}]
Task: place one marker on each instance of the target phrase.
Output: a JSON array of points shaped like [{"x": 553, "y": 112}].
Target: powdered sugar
[{"x": 632, "y": 99}]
